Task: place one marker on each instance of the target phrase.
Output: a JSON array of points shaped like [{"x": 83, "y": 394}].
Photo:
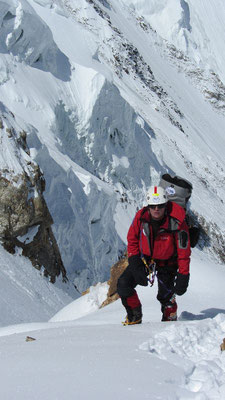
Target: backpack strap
[
  {"x": 147, "y": 233},
  {"x": 173, "y": 224}
]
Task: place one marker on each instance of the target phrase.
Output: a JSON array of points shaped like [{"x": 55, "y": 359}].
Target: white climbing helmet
[{"x": 156, "y": 195}]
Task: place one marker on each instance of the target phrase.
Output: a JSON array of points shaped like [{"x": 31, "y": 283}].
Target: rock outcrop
[
  {"x": 116, "y": 270},
  {"x": 25, "y": 221}
]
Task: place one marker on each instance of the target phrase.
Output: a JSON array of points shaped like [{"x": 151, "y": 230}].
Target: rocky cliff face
[{"x": 25, "y": 221}]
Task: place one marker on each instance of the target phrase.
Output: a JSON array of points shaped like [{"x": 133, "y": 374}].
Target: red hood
[{"x": 176, "y": 211}]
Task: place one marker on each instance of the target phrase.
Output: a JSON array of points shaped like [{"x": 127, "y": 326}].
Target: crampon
[{"x": 132, "y": 322}]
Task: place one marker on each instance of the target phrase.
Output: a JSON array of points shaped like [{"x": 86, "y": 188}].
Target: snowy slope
[
  {"x": 196, "y": 28},
  {"x": 25, "y": 295},
  {"x": 94, "y": 356},
  {"x": 112, "y": 94}
]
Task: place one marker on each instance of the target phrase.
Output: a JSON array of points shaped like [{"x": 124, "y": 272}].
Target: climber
[{"x": 158, "y": 242}]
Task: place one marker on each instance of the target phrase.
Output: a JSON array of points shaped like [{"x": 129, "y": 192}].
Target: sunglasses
[{"x": 153, "y": 207}]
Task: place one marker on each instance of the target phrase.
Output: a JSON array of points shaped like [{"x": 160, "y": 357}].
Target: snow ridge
[
  {"x": 24, "y": 34},
  {"x": 194, "y": 347}
]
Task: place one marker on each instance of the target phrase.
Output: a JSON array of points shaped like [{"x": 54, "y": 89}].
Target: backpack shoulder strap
[{"x": 173, "y": 224}]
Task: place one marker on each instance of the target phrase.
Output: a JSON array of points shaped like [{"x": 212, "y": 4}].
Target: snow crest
[
  {"x": 25, "y": 35},
  {"x": 84, "y": 305},
  {"x": 194, "y": 347}
]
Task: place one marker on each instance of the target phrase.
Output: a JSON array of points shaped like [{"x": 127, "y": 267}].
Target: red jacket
[{"x": 171, "y": 244}]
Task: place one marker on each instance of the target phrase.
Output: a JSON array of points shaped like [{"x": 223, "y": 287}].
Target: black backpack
[{"x": 179, "y": 190}]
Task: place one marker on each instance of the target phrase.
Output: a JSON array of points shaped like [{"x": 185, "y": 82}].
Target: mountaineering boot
[
  {"x": 134, "y": 316},
  {"x": 169, "y": 310}
]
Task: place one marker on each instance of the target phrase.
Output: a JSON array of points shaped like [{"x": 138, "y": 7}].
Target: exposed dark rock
[
  {"x": 21, "y": 215},
  {"x": 25, "y": 221}
]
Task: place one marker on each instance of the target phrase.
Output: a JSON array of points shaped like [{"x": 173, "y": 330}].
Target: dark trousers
[{"x": 165, "y": 276}]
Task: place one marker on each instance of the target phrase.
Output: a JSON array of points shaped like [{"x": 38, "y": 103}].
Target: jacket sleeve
[
  {"x": 183, "y": 249},
  {"x": 133, "y": 237}
]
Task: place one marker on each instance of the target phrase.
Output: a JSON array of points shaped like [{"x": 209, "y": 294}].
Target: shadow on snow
[{"x": 209, "y": 313}]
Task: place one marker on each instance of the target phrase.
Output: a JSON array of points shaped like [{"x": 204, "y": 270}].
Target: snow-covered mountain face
[{"x": 112, "y": 93}]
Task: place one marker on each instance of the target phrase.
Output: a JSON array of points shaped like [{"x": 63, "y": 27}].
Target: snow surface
[
  {"x": 25, "y": 295},
  {"x": 189, "y": 26},
  {"x": 87, "y": 353}
]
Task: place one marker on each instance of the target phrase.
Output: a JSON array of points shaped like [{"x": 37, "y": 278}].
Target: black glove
[
  {"x": 194, "y": 233},
  {"x": 181, "y": 284},
  {"x": 138, "y": 270}
]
